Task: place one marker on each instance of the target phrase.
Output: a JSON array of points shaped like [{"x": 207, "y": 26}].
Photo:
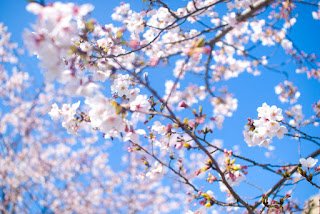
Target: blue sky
[{"x": 250, "y": 91}]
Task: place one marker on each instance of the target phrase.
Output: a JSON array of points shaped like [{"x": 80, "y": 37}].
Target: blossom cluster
[
  {"x": 55, "y": 32},
  {"x": 7, "y": 48},
  {"x": 224, "y": 105},
  {"x": 155, "y": 171},
  {"x": 103, "y": 64},
  {"x": 260, "y": 132},
  {"x": 316, "y": 108},
  {"x": 235, "y": 173},
  {"x": 191, "y": 94},
  {"x": 287, "y": 92},
  {"x": 68, "y": 114},
  {"x": 295, "y": 114},
  {"x": 121, "y": 86}
]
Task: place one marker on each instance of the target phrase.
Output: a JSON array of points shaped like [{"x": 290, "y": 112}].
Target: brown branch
[
  {"x": 207, "y": 71},
  {"x": 163, "y": 29},
  {"x": 302, "y": 137},
  {"x": 300, "y": 132},
  {"x": 194, "y": 137},
  {"x": 186, "y": 181},
  {"x": 281, "y": 181},
  {"x": 312, "y": 183},
  {"x": 167, "y": 7},
  {"x": 265, "y": 166},
  {"x": 243, "y": 17},
  {"x": 177, "y": 80},
  {"x": 217, "y": 168},
  {"x": 269, "y": 67},
  {"x": 199, "y": 34}
]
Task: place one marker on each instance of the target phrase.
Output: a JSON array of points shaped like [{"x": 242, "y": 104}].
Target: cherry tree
[{"x": 130, "y": 115}]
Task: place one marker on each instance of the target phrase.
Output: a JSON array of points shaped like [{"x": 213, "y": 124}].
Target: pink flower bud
[
  {"x": 192, "y": 124},
  {"x": 178, "y": 145},
  {"x": 206, "y": 50},
  {"x": 169, "y": 127},
  {"x": 183, "y": 104},
  {"x": 200, "y": 120},
  {"x": 134, "y": 44},
  {"x": 154, "y": 61}
]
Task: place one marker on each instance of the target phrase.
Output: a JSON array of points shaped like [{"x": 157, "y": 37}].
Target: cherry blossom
[
  {"x": 308, "y": 163},
  {"x": 316, "y": 108},
  {"x": 260, "y": 132},
  {"x": 287, "y": 92},
  {"x": 130, "y": 113}
]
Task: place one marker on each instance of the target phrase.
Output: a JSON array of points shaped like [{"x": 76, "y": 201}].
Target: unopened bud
[
  {"x": 200, "y": 42},
  {"x": 205, "y": 168},
  {"x": 133, "y": 44},
  {"x": 169, "y": 127},
  {"x": 198, "y": 172},
  {"x": 186, "y": 145},
  {"x": 208, "y": 205},
  {"x": 178, "y": 145},
  {"x": 206, "y": 50},
  {"x": 183, "y": 104}
]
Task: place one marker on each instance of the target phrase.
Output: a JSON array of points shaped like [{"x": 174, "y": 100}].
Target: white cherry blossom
[{"x": 308, "y": 163}]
